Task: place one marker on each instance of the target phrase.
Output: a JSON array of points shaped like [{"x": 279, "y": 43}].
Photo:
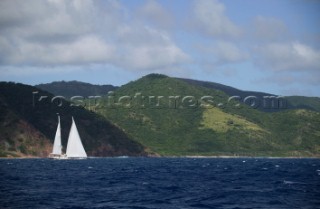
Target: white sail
[
  {"x": 57, "y": 147},
  {"x": 75, "y": 148}
]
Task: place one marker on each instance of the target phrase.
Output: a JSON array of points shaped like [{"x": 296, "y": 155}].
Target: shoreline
[
  {"x": 264, "y": 157},
  {"x": 187, "y": 156}
]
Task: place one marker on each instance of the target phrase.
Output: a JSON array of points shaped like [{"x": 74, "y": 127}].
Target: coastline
[
  {"x": 186, "y": 156},
  {"x": 262, "y": 157},
  {"x": 236, "y": 157}
]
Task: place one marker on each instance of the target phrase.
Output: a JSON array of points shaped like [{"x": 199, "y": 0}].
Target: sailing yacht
[
  {"x": 75, "y": 149},
  {"x": 57, "y": 147}
]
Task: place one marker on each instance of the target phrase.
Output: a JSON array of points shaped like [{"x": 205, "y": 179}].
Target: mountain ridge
[
  {"x": 229, "y": 129},
  {"x": 21, "y": 103},
  {"x": 79, "y": 88},
  {"x": 75, "y": 88},
  {"x": 293, "y": 102},
  {"x": 157, "y": 115}
]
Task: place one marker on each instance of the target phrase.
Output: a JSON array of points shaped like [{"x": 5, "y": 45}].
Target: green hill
[
  {"x": 69, "y": 89},
  {"x": 75, "y": 88},
  {"x": 27, "y": 125},
  {"x": 301, "y": 102},
  {"x": 291, "y": 102},
  {"x": 172, "y": 117},
  {"x": 160, "y": 115}
]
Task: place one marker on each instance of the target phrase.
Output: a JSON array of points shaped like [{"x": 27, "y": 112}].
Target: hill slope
[
  {"x": 193, "y": 125},
  {"x": 302, "y": 102},
  {"x": 292, "y": 102},
  {"x": 27, "y": 125},
  {"x": 75, "y": 88}
]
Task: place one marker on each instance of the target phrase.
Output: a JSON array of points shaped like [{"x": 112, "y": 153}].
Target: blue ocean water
[{"x": 144, "y": 183}]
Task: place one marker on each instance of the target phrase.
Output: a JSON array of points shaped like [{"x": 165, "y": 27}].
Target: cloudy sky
[{"x": 267, "y": 45}]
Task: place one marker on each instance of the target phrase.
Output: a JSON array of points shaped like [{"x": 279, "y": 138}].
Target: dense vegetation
[
  {"x": 206, "y": 127},
  {"x": 158, "y": 115},
  {"x": 291, "y": 102},
  {"x": 75, "y": 88},
  {"x": 26, "y": 123},
  {"x": 301, "y": 102}
]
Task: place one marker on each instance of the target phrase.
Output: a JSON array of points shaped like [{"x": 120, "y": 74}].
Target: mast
[
  {"x": 75, "y": 148},
  {"x": 57, "y": 147}
]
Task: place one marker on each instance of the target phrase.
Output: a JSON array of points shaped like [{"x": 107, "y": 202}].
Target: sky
[{"x": 267, "y": 45}]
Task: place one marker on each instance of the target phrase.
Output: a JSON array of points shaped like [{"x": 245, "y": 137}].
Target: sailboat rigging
[
  {"x": 75, "y": 149},
  {"x": 57, "y": 147}
]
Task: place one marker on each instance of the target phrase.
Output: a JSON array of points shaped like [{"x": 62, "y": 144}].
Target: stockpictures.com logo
[{"x": 138, "y": 100}]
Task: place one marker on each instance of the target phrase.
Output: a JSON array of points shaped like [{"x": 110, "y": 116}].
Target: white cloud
[
  {"x": 147, "y": 48},
  {"x": 210, "y": 17},
  {"x": 45, "y": 18},
  {"x": 286, "y": 63},
  {"x": 222, "y": 53},
  {"x": 286, "y": 80},
  {"x": 153, "y": 58},
  {"x": 59, "y": 33},
  {"x": 228, "y": 52},
  {"x": 293, "y": 56},
  {"x": 269, "y": 29},
  {"x": 153, "y": 12},
  {"x": 86, "y": 49},
  {"x": 17, "y": 71},
  {"x": 289, "y": 64}
]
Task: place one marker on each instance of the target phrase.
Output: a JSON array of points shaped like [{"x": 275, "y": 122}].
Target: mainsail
[
  {"x": 75, "y": 148},
  {"x": 57, "y": 147}
]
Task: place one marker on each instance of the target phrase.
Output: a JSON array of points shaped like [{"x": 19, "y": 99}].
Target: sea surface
[{"x": 143, "y": 183}]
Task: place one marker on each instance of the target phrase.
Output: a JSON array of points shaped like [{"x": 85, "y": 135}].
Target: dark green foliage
[
  {"x": 291, "y": 102},
  {"x": 179, "y": 130},
  {"x": 99, "y": 136},
  {"x": 69, "y": 89},
  {"x": 312, "y": 103},
  {"x": 154, "y": 114}
]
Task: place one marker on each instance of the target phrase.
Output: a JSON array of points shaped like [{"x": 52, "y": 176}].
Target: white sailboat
[
  {"x": 75, "y": 149},
  {"x": 57, "y": 147}
]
